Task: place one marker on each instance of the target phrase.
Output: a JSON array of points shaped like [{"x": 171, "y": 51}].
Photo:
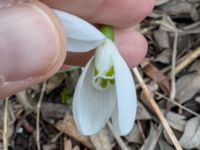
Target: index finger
[{"x": 118, "y": 13}]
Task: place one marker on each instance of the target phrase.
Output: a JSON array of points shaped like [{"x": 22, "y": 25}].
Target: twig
[
  {"x": 189, "y": 59},
  {"x": 157, "y": 110},
  {"x": 173, "y": 70},
  {"x": 5, "y": 126},
  {"x": 193, "y": 25},
  {"x": 38, "y": 116},
  {"x": 173, "y": 74},
  {"x": 117, "y": 137},
  {"x": 177, "y": 104}
]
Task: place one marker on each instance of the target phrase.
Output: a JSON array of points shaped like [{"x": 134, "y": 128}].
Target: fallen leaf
[
  {"x": 155, "y": 74},
  {"x": 50, "y": 146},
  {"x": 194, "y": 14},
  {"x": 187, "y": 86},
  {"x": 162, "y": 39},
  {"x": 76, "y": 147},
  {"x": 52, "y": 110},
  {"x": 164, "y": 57},
  {"x": 101, "y": 140},
  {"x": 134, "y": 136},
  {"x": 167, "y": 24},
  {"x": 68, "y": 127},
  {"x": 164, "y": 146},
  {"x": 152, "y": 139},
  {"x": 168, "y": 139},
  {"x": 142, "y": 113},
  {"x": 54, "y": 82},
  {"x": 175, "y": 120},
  {"x": 178, "y": 8},
  {"x": 191, "y": 135},
  {"x": 161, "y": 2},
  {"x": 195, "y": 66}
]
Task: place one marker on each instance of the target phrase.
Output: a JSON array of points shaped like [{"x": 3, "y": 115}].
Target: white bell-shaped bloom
[{"x": 105, "y": 89}]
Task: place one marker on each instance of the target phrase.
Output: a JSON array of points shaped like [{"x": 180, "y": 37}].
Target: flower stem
[{"x": 108, "y": 31}]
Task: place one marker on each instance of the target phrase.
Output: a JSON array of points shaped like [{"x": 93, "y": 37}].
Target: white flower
[{"x": 105, "y": 88}]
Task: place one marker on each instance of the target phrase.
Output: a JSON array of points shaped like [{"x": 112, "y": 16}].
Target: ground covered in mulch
[{"x": 171, "y": 71}]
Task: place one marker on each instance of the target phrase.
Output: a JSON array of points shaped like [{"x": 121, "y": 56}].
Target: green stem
[{"x": 108, "y": 31}]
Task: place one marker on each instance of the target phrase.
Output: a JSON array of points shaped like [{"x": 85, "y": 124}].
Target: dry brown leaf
[
  {"x": 155, "y": 74},
  {"x": 50, "y": 146},
  {"x": 68, "y": 127},
  {"x": 162, "y": 39},
  {"x": 152, "y": 139},
  {"x": 68, "y": 145},
  {"x": 164, "y": 146},
  {"x": 134, "y": 136},
  {"x": 167, "y": 24},
  {"x": 176, "y": 121},
  {"x": 191, "y": 135},
  {"x": 187, "y": 86},
  {"x": 195, "y": 66},
  {"x": 178, "y": 7},
  {"x": 54, "y": 82},
  {"x": 161, "y": 2},
  {"x": 142, "y": 113},
  {"x": 164, "y": 57},
  {"x": 194, "y": 14},
  {"x": 76, "y": 147},
  {"x": 101, "y": 140},
  {"x": 52, "y": 110},
  {"x": 168, "y": 139}
]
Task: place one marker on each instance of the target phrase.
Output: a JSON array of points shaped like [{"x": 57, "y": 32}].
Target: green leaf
[{"x": 64, "y": 95}]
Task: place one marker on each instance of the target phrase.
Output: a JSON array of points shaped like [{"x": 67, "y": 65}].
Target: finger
[
  {"x": 132, "y": 46},
  {"x": 118, "y": 13},
  {"x": 122, "y": 13},
  {"x": 31, "y": 46}
]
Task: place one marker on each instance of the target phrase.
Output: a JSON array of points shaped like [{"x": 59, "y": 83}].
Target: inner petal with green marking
[{"x": 104, "y": 80}]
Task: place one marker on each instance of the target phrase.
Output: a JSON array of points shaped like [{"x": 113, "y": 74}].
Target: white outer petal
[
  {"x": 81, "y": 35},
  {"x": 123, "y": 117},
  {"x": 92, "y": 108}
]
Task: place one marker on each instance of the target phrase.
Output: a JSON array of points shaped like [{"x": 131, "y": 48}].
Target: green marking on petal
[
  {"x": 104, "y": 80},
  {"x": 108, "y": 32},
  {"x": 112, "y": 82},
  {"x": 104, "y": 83},
  {"x": 96, "y": 72},
  {"x": 110, "y": 72}
]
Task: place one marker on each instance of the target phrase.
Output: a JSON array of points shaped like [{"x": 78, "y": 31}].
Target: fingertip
[
  {"x": 132, "y": 45},
  {"x": 32, "y": 47},
  {"x": 123, "y": 13}
]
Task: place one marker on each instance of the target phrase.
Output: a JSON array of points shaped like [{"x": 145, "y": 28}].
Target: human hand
[{"x": 32, "y": 42}]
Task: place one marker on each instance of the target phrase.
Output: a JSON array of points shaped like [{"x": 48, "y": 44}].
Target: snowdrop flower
[{"x": 105, "y": 89}]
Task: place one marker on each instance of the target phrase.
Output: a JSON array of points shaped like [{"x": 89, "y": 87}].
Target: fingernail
[{"x": 29, "y": 44}]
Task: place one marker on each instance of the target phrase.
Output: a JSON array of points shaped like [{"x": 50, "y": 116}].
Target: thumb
[{"x": 32, "y": 46}]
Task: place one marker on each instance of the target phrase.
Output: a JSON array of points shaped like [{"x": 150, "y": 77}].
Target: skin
[{"x": 32, "y": 41}]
